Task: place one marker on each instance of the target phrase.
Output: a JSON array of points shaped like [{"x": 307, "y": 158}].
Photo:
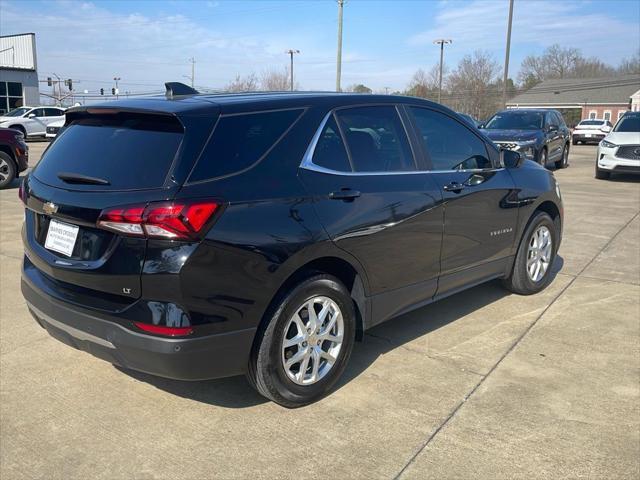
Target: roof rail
[{"x": 175, "y": 89}]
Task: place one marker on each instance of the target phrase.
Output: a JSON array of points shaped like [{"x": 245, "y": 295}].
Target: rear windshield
[
  {"x": 240, "y": 141},
  {"x": 591, "y": 122},
  {"x": 628, "y": 123},
  {"x": 130, "y": 151}
]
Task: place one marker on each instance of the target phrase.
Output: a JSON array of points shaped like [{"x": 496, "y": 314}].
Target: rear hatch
[{"x": 104, "y": 158}]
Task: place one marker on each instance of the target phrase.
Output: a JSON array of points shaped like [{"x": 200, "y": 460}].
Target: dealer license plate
[{"x": 61, "y": 237}]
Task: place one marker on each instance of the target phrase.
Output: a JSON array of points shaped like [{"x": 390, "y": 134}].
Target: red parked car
[{"x": 14, "y": 155}]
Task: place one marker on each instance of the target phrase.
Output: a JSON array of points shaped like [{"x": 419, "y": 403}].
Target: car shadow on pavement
[{"x": 235, "y": 392}]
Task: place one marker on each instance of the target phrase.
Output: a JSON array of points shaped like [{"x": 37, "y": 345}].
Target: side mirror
[
  {"x": 481, "y": 125},
  {"x": 510, "y": 159},
  {"x": 31, "y": 115},
  {"x": 552, "y": 128}
]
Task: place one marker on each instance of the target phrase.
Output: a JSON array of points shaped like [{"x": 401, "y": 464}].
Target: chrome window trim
[{"x": 307, "y": 160}]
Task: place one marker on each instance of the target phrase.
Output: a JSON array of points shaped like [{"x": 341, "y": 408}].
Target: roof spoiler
[{"x": 175, "y": 89}]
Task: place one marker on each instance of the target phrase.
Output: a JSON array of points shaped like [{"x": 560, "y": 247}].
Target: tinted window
[
  {"x": 376, "y": 139},
  {"x": 53, "y": 112},
  {"x": 330, "y": 151},
  {"x": 628, "y": 123},
  {"x": 449, "y": 143},
  {"x": 516, "y": 120},
  {"x": 559, "y": 119},
  {"x": 591, "y": 122},
  {"x": 129, "y": 151},
  {"x": 38, "y": 112},
  {"x": 239, "y": 141}
]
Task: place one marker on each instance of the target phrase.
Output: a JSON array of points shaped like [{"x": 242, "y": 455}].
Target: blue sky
[{"x": 385, "y": 42}]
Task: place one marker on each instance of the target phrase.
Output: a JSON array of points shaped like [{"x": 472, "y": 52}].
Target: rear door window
[
  {"x": 376, "y": 139},
  {"x": 130, "y": 151},
  {"x": 241, "y": 141}
]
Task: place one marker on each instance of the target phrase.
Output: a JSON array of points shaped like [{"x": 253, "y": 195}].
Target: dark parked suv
[
  {"x": 202, "y": 236},
  {"x": 540, "y": 135},
  {"x": 14, "y": 155}
]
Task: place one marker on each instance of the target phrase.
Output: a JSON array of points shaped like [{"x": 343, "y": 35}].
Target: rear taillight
[
  {"x": 171, "y": 220},
  {"x": 22, "y": 194},
  {"x": 166, "y": 331}
]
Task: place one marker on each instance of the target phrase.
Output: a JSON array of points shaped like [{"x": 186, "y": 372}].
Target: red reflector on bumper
[{"x": 166, "y": 331}]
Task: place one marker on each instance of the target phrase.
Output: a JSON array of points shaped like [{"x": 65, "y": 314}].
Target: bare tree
[
  {"x": 630, "y": 65},
  {"x": 249, "y": 83},
  {"x": 425, "y": 84},
  {"x": 275, "y": 81},
  {"x": 358, "y": 88},
  {"x": 560, "y": 62},
  {"x": 472, "y": 85}
]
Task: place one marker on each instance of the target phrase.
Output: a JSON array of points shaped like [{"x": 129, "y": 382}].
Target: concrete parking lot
[{"x": 481, "y": 385}]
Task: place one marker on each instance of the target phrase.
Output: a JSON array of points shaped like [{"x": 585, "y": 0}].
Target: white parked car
[
  {"x": 591, "y": 130},
  {"x": 619, "y": 152},
  {"x": 32, "y": 121},
  {"x": 54, "y": 128}
]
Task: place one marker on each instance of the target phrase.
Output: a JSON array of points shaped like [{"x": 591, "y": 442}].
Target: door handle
[
  {"x": 453, "y": 187},
  {"x": 344, "y": 194}
]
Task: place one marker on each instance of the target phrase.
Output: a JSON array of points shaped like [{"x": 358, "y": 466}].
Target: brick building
[{"x": 578, "y": 99}]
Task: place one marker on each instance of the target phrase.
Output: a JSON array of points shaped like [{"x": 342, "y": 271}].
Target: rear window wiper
[{"x": 79, "y": 178}]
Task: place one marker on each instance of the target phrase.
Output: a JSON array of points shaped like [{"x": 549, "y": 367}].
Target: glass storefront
[{"x": 10, "y": 96}]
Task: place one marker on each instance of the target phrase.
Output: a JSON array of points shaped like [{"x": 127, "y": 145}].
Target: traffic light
[
  {"x": 102, "y": 91},
  {"x": 113, "y": 91},
  {"x": 70, "y": 84},
  {"x": 49, "y": 82}
]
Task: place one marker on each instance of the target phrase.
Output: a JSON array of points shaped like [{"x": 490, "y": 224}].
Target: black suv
[
  {"x": 537, "y": 134},
  {"x": 202, "y": 236}
]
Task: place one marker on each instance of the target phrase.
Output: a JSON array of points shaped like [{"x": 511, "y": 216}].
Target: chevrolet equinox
[{"x": 200, "y": 236}]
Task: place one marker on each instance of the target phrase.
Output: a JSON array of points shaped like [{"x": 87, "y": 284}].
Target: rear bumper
[
  {"x": 588, "y": 137},
  {"x": 198, "y": 358}
]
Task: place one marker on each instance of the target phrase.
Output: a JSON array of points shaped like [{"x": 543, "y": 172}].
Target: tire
[
  {"x": 602, "y": 174},
  {"x": 574, "y": 142},
  {"x": 564, "y": 161},
  {"x": 543, "y": 158},
  {"x": 8, "y": 170},
  {"x": 267, "y": 371},
  {"x": 520, "y": 281}
]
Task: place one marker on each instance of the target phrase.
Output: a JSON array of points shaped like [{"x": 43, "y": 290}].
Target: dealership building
[
  {"x": 578, "y": 99},
  {"x": 18, "y": 71}
]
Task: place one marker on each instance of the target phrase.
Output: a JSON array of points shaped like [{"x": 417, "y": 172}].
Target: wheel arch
[{"x": 348, "y": 272}]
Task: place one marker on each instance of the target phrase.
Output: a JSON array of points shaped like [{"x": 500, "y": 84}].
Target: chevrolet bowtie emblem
[{"x": 50, "y": 208}]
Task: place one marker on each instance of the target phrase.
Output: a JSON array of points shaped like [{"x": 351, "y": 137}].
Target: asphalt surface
[{"x": 483, "y": 384}]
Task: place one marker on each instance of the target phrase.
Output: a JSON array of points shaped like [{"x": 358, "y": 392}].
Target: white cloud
[{"x": 536, "y": 24}]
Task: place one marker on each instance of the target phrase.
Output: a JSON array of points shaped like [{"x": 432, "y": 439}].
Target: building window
[
  {"x": 10, "y": 96},
  {"x": 607, "y": 115},
  {"x": 593, "y": 114}
]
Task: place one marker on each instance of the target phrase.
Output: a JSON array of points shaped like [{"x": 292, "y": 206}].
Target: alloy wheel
[
  {"x": 539, "y": 253},
  {"x": 4, "y": 170},
  {"x": 312, "y": 341}
]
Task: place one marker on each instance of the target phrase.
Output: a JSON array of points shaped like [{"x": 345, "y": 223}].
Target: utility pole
[
  {"x": 291, "y": 53},
  {"x": 193, "y": 71},
  {"x": 441, "y": 42},
  {"x": 115, "y": 79},
  {"x": 506, "y": 56},
  {"x": 339, "y": 56}
]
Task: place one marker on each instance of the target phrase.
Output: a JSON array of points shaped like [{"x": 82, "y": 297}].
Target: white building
[{"x": 18, "y": 72}]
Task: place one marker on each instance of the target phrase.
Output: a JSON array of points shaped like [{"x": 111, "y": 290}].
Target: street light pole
[
  {"x": 506, "y": 56},
  {"x": 441, "y": 42},
  {"x": 339, "y": 55},
  {"x": 291, "y": 53}
]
